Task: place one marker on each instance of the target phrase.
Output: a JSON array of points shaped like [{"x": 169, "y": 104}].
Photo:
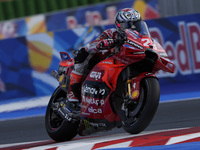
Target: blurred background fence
[
  {"x": 178, "y": 7},
  {"x": 12, "y": 9}
]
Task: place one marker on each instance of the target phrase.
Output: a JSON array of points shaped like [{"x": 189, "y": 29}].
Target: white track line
[
  {"x": 86, "y": 142},
  {"x": 23, "y": 105}
]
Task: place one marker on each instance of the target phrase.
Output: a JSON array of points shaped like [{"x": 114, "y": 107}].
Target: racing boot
[{"x": 74, "y": 90}]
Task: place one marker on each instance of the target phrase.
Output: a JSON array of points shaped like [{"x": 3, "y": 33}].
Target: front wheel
[
  {"x": 138, "y": 115},
  {"x": 57, "y": 128}
]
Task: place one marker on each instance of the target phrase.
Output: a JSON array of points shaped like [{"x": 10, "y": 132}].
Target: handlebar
[{"x": 120, "y": 42}]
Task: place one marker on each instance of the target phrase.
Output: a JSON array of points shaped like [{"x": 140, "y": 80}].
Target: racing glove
[{"x": 107, "y": 43}]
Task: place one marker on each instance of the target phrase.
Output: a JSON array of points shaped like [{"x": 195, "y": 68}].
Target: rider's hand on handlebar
[
  {"x": 107, "y": 43},
  {"x": 119, "y": 42},
  {"x": 110, "y": 43}
]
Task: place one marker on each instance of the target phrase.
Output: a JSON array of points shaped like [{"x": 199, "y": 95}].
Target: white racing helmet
[{"x": 128, "y": 18}]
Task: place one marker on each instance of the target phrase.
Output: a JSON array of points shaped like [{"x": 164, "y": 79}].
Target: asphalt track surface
[{"x": 170, "y": 115}]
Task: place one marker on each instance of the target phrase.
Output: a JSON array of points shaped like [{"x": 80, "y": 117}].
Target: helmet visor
[{"x": 130, "y": 25}]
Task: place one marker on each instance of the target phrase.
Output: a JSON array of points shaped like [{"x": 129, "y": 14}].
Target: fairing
[
  {"x": 96, "y": 108},
  {"x": 102, "y": 79}
]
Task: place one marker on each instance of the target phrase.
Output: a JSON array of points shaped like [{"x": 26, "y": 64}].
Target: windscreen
[{"x": 144, "y": 29}]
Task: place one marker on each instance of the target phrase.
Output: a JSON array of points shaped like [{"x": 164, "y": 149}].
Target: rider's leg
[
  {"x": 81, "y": 62},
  {"x": 74, "y": 89}
]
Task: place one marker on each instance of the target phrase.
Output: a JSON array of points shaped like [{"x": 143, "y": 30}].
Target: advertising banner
[
  {"x": 26, "y": 62},
  {"x": 180, "y": 37},
  {"x": 99, "y": 14},
  {"x": 102, "y": 14},
  {"x": 16, "y": 79}
]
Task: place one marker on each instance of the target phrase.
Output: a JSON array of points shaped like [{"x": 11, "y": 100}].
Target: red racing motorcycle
[{"x": 119, "y": 90}]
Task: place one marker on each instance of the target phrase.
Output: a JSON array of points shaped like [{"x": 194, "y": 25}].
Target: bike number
[{"x": 147, "y": 42}]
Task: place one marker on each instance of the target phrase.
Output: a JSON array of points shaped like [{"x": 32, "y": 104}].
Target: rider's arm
[{"x": 106, "y": 37}]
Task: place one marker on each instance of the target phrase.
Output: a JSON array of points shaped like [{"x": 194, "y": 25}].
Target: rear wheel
[
  {"x": 138, "y": 115},
  {"x": 57, "y": 128}
]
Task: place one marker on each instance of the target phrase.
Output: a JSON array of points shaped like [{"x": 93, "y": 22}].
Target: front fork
[
  {"x": 128, "y": 94},
  {"x": 133, "y": 84},
  {"x": 129, "y": 88}
]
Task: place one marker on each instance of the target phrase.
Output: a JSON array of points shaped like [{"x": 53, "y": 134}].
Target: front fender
[{"x": 135, "y": 83}]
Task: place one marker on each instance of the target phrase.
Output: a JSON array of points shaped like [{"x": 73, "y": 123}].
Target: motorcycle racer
[{"x": 125, "y": 19}]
